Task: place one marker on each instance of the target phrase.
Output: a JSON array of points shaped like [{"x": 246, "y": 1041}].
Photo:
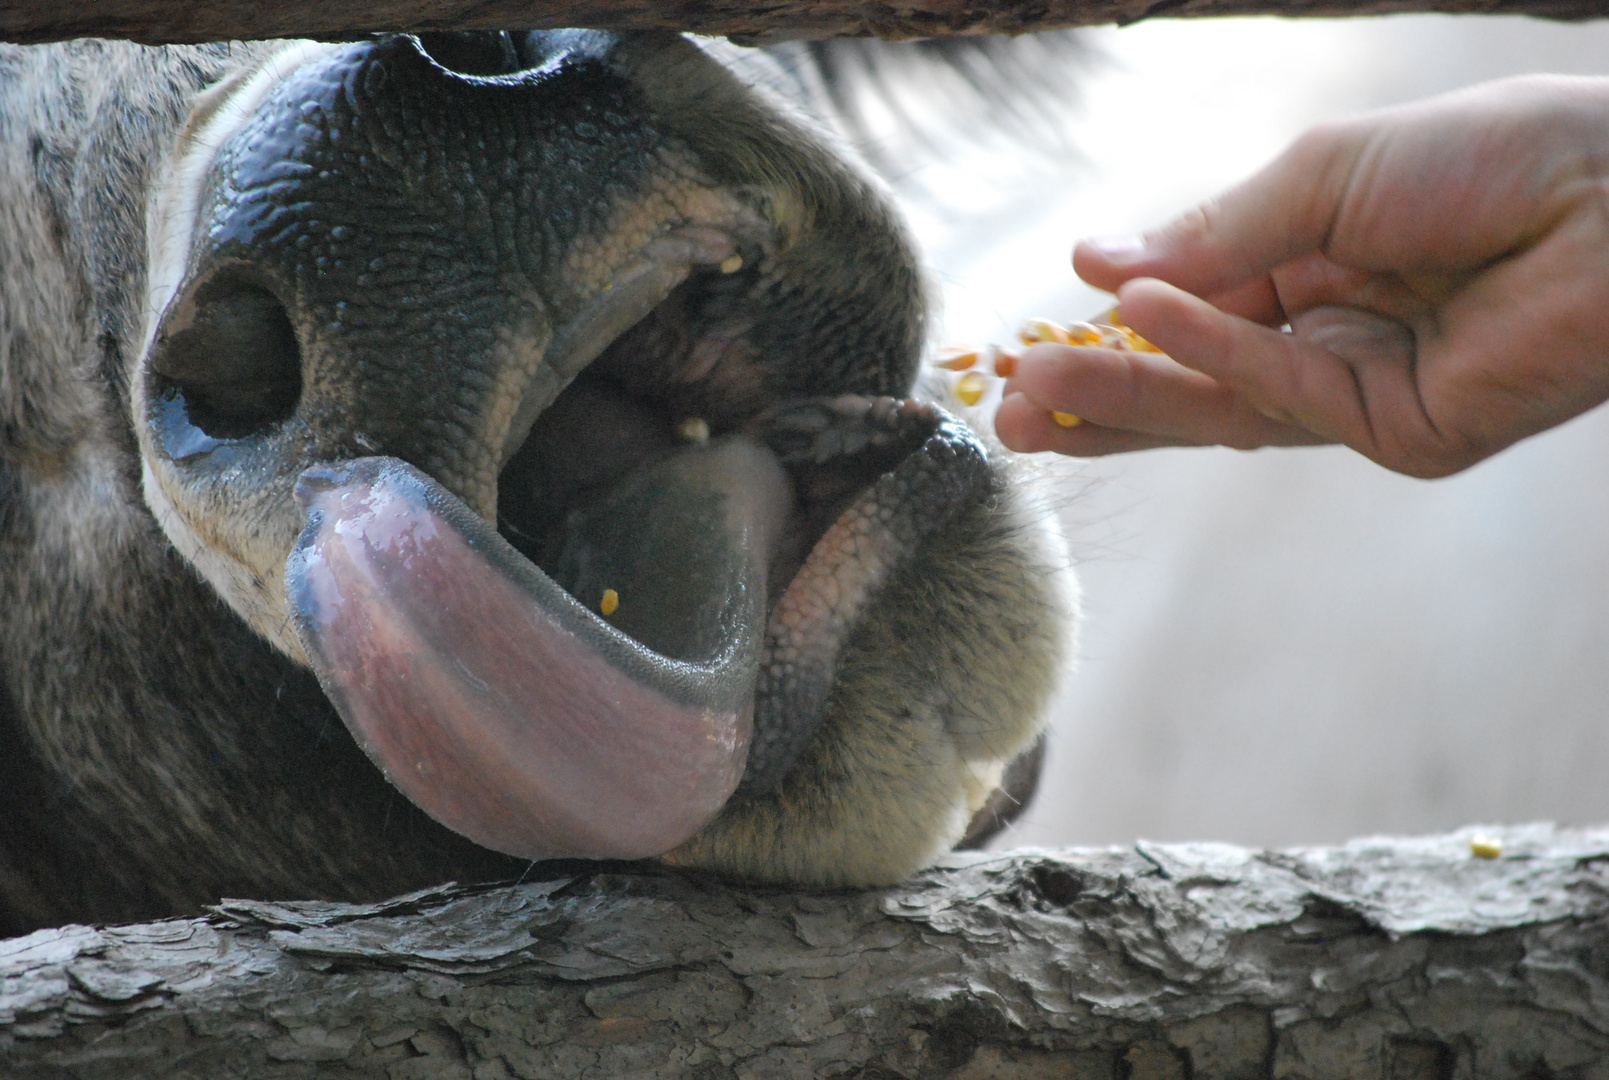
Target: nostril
[
  {"x": 229, "y": 355},
  {"x": 470, "y": 52}
]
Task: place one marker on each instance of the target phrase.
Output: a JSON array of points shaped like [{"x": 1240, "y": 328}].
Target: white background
[{"x": 1291, "y": 646}]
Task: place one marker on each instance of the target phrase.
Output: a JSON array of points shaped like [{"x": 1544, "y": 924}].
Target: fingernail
[{"x": 1117, "y": 249}]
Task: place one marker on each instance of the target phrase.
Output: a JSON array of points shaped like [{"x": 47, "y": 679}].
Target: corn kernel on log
[
  {"x": 731, "y": 264},
  {"x": 1066, "y": 419},
  {"x": 610, "y": 601},
  {"x": 970, "y": 388},
  {"x": 1485, "y": 847}
]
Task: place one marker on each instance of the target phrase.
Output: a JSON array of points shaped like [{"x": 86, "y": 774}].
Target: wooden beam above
[{"x": 178, "y": 21}]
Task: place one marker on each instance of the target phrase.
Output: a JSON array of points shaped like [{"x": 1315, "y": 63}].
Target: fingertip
[
  {"x": 1160, "y": 312},
  {"x": 1107, "y": 261},
  {"x": 1016, "y": 422},
  {"x": 1053, "y": 376}
]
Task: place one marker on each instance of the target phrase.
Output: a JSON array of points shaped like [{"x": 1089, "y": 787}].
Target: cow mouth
[
  {"x": 574, "y": 602},
  {"x": 653, "y": 623}
]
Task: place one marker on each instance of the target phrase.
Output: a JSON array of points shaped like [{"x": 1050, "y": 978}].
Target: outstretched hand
[{"x": 1443, "y": 268}]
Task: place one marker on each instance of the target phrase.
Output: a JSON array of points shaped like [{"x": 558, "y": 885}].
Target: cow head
[{"x": 550, "y": 396}]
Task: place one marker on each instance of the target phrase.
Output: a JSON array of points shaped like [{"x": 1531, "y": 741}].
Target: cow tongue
[{"x": 498, "y": 702}]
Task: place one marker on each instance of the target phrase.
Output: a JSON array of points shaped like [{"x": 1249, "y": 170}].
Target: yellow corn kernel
[
  {"x": 1066, "y": 419},
  {"x": 731, "y": 264},
  {"x": 1127, "y": 340},
  {"x": 1117, "y": 333},
  {"x": 957, "y": 357},
  {"x": 610, "y": 601},
  {"x": 1036, "y": 330},
  {"x": 1083, "y": 333},
  {"x": 1485, "y": 847},
  {"x": 695, "y": 429},
  {"x": 970, "y": 388},
  {"x": 1003, "y": 360}
]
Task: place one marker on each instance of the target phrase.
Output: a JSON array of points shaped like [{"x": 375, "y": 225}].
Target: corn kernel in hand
[
  {"x": 1037, "y": 330},
  {"x": 957, "y": 358},
  {"x": 1004, "y": 361},
  {"x": 1106, "y": 331},
  {"x": 970, "y": 388},
  {"x": 1083, "y": 333}
]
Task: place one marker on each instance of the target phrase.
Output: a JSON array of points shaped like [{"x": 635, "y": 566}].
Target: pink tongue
[{"x": 496, "y": 702}]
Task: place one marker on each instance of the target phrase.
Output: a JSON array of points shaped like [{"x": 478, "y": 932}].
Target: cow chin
[{"x": 610, "y": 526}]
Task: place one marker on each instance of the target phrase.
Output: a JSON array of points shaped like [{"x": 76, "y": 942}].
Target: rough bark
[
  {"x": 169, "y": 21},
  {"x": 1382, "y": 958}
]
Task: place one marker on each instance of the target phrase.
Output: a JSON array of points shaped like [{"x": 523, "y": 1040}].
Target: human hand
[{"x": 1443, "y": 268}]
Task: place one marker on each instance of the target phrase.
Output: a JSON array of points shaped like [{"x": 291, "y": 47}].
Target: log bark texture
[
  {"x": 177, "y": 21},
  {"x": 1394, "y": 959}
]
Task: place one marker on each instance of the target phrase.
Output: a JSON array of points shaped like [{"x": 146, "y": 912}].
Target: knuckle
[{"x": 1433, "y": 456}]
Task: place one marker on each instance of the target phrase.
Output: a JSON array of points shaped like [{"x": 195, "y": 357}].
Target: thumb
[{"x": 1285, "y": 210}]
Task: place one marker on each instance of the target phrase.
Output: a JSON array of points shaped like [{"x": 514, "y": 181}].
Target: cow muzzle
[{"x": 561, "y": 437}]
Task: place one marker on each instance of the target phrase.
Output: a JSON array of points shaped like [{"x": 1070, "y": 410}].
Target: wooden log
[
  {"x": 176, "y": 21},
  {"x": 1393, "y": 959}
]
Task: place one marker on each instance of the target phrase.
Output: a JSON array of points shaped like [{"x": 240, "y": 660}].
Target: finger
[
  {"x": 1521, "y": 349},
  {"x": 1344, "y": 375},
  {"x": 1028, "y": 429},
  {"x": 1314, "y": 280},
  {"x": 1145, "y": 394},
  {"x": 1286, "y": 209},
  {"x": 1383, "y": 357},
  {"x": 1258, "y": 300}
]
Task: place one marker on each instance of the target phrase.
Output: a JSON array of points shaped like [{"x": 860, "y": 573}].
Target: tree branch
[
  {"x": 173, "y": 21},
  {"x": 1399, "y": 959}
]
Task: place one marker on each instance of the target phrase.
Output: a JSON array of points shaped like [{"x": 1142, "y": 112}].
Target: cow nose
[{"x": 474, "y": 52}]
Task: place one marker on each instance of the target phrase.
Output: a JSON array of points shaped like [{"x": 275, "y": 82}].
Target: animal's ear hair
[{"x": 892, "y": 97}]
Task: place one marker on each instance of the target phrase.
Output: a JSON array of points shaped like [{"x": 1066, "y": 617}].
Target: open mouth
[
  {"x": 653, "y": 624},
  {"x": 587, "y": 517}
]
